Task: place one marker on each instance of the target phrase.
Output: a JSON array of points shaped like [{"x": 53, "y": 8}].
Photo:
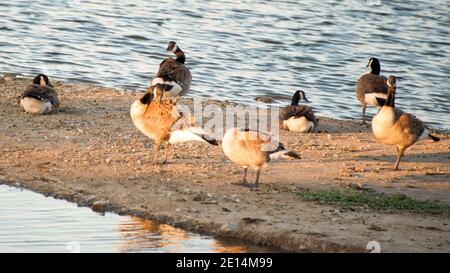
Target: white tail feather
[
  {"x": 284, "y": 154},
  {"x": 187, "y": 134},
  {"x": 278, "y": 155}
]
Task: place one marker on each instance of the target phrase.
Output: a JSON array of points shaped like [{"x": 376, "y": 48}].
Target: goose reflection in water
[{"x": 139, "y": 235}]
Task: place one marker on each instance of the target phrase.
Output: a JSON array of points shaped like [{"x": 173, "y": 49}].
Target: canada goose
[
  {"x": 40, "y": 97},
  {"x": 371, "y": 89},
  {"x": 297, "y": 118},
  {"x": 395, "y": 127},
  {"x": 252, "y": 149},
  {"x": 155, "y": 118},
  {"x": 174, "y": 73}
]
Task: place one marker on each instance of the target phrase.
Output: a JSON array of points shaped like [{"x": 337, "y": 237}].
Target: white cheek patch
[
  {"x": 42, "y": 81},
  {"x": 174, "y": 49},
  {"x": 395, "y": 84}
]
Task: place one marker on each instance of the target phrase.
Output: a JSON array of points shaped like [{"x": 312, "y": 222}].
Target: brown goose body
[
  {"x": 40, "y": 97},
  {"x": 297, "y": 118},
  {"x": 371, "y": 89},
  {"x": 371, "y": 84},
  {"x": 252, "y": 149},
  {"x": 392, "y": 126},
  {"x": 156, "y": 117},
  {"x": 174, "y": 72}
]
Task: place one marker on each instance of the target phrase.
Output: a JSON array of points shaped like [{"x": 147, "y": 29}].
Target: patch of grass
[{"x": 350, "y": 198}]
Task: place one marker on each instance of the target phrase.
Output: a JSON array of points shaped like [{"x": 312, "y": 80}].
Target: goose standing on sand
[
  {"x": 174, "y": 73},
  {"x": 252, "y": 149},
  {"x": 155, "y": 117},
  {"x": 394, "y": 127},
  {"x": 40, "y": 97},
  {"x": 371, "y": 89},
  {"x": 297, "y": 118}
]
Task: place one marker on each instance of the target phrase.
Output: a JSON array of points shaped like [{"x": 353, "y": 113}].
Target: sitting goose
[
  {"x": 174, "y": 73},
  {"x": 40, "y": 97},
  {"x": 371, "y": 88},
  {"x": 394, "y": 127},
  {"x": 252, "y": 149},
  {"x": 156, "y": 117},
  {"x": 297, "y": 118}
]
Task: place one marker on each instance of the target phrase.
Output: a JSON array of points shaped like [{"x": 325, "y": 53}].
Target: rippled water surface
[
  {"x": 238, "y": 50},
  {"x": 30, "y": 222}
]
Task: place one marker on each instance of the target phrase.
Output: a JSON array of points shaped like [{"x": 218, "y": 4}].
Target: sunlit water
[
  {"x": 239, "y": 50},
  {"x": 30, "y": 222}
]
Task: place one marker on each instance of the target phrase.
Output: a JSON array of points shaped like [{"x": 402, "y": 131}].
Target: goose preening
[
  {"x": 394, "y": 127},
  {"x": 252, "y": 149},
  {"x": 40, "y": 97},
  {"x": 297, "y": 118},
  {"x": 371, "y": 88},
  {"x": 156, "y": 117},
  {"x": 174, "y": 73}
]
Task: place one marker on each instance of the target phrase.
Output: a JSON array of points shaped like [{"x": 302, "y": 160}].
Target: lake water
[
  {"x": 239, "y": 50},
  {"x": 30, "y": 222}
]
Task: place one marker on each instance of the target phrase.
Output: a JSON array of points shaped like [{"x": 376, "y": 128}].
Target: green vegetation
[{"x": 350, "y": 198}]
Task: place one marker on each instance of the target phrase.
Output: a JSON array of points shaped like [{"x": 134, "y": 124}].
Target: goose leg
[
  {"x": 156, "y": 151},
  {"x": 244, "y": 180},
  {"x": 166, "y": 153},
  {"x": 258, "y": 172},
  {"x": 363, "y": 122},
  {"x": 400, "y": 150}
]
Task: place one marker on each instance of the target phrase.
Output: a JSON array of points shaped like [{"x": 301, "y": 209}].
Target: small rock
[
  {"x": 229, "y": 227},
  {"x": 249, "y": 220},
  {"x": 88, "y": 199},
  {"x": 210, "y": 202},
  {"x": 200, "y": 197},
  {"x": 376, "y": 228},
  {"x": 100, "y": 206}
]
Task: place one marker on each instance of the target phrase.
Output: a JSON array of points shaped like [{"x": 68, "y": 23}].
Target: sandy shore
[{"x": 91, "y": 153}]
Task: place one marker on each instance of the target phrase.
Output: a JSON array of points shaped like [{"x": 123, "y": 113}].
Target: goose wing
[
  {"x": 297, "y": 111},
  {"x": 370, "y": 83},
  {"x": 170, "y": 68},
  {"x": 42, "y": 93},
  {"x": 410, "y": 125}
]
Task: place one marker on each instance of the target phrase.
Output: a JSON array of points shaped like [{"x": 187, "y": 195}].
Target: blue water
[{"x": 239, "y": 50}]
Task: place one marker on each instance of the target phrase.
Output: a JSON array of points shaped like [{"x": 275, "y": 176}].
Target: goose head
[
  {"x": 172, "y": 46},
  {"x": 298, "y": 96},
  {"x": 392, "y": 82},
  {"x": 42, "y": 80},
  {"x": 374, "y": 65}
]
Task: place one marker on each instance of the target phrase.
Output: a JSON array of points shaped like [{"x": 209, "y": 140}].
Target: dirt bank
[{"x": 90, "y": 152}]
